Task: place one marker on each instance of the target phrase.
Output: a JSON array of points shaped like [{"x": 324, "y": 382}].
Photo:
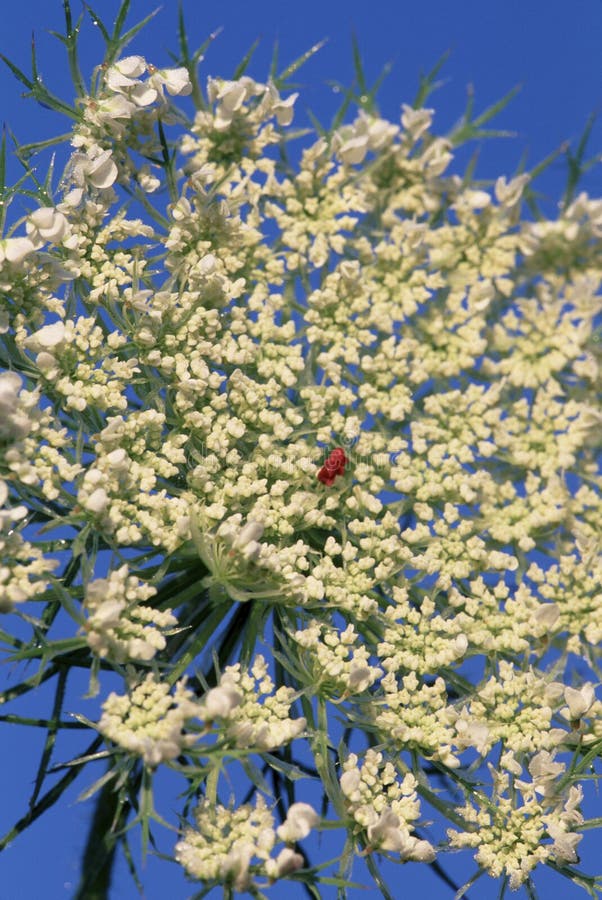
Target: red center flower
[{"x": 333, "y": 466}]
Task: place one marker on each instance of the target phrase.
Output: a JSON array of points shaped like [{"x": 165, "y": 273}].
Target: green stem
[{"x": 108, "y": 821}]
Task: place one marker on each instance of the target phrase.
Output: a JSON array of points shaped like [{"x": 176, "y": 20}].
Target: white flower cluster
[
  {"x": 335, "y": 662},
  {"x": 572, "y": 585},
  {"x": 120, "y": 489},
  {"x": 15, "y": 423},
  {"x": 237, "y": 123},
  {"x": 125, "y": 79},
  {"x": 250, "y": 711},
  {"x": 524, "y": 822},
  {"x": 419, "y": 640},
  {"x": 118, "y": 625},
  {"x": 248, "y": 569},
  {"x": 23, "y": 569},
  {"x": 149, "y": 721},
  {"x": 131, "y": 99},
  {"x": 383, "y": 808},
  {"x": 232, "y": 98},
  {"x": 416, "y": 714},
  {"x": 46, "y": 225},
  {"x": 244, "y": 708},
  {"x": 234, "y": 846},
  {"x": 517, "y": 708},
  {"x": 355, "y": 394}
]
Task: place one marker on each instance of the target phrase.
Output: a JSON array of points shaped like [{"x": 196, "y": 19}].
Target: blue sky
[{"x": 552, "y": 48}]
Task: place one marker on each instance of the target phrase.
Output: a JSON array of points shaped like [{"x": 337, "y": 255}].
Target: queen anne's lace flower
[
  {"x": 149, "y": 721},
  {"x": 383, "y": 808},
  {"x": 511, "y": 832},
  {"x": 234, "y": 846},
  {"x": 253, "y": 714},
  {"x": 335, "y": 662},
  {"x": 24, "y": 572},
  {"x": 172, "y": 378},
  {"x": 119, "y": 626}
]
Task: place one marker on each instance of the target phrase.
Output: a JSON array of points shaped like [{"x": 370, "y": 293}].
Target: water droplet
[{"x": 336, "y": 89}]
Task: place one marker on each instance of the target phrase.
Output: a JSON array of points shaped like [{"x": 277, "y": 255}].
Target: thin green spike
[
  {"x": 21, "y": 76},
  {"x": 575, "y": 162},
  {"x": 129, "y": 35},
  {"x": 470, "y": 97},
  {"x": 469, "y": 129},
  {"x": 28, "y": 150},
  {"x": 358, "y": 66},
  {"x": 244, "y": 63},
  {"x": 3, "y": 192},
  {"x": 320, "y": 130},
  {"x": 497, "y": 107},
  {"x": 167, "y": 163},
  {"x": 98, "y": 23},
  {"x": 42, "y": 723},
  {"x": 198, "y": 54},
  {"x": 348, "y": 98},
  {"x": 385, "y": 72},
  {"x": 300, "y": 61},
  {"x": 274, "y": 62},
  {"x": 120, "y": 19},
  {"x": 119, "y": 43},
  {"x": 37, "y": 89},
  {"x": 182, "y": 33},
  {"x": 189, "y": 62},
  {"x": 427, "y": 82},
  {"x": 471, "y": 167},
  {"x": 57, "y": 708},
  {"x": 71, "y": 37},
  {"x": 34, "y": 64}
]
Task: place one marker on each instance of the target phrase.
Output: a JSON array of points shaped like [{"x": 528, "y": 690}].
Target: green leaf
[
  {"x": 348, "y": 98},
  {"x": 37, "y": 89},
  {"x": 34, "y": 65},
  {"x": 274, "y": 62},
  {"x": 29, "y": 684},
  {"x": 96, "y": 786},
  {"x": 378, "y": 878},
  {"x": 168, "y": 163},
  {"x": 461, "y": 892},
  {"x": 291, "y": 771},
  {"x": 4, "y": 194}
]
